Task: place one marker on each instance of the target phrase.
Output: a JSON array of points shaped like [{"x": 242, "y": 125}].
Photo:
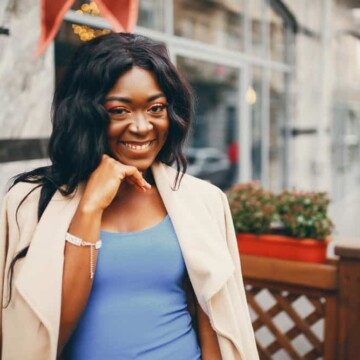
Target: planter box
[{"x": 283, "y": 247}]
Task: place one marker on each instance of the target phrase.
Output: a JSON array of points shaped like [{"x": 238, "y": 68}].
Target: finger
[
  {"x": 131, "y": 171},
  {"x": 133, "y": 182},
  {"x": 134, "y": 173}
]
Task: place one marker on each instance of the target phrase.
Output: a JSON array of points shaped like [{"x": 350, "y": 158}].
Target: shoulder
[
  {"x": 19, "y": 214},
  {"x": 22, "y": 193},
  {"x": 23, "y": 189},
  {"x": 193, "y": 186}
]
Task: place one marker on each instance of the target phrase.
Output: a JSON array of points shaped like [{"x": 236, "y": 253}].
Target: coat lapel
[{"x": 207, "y": 259}]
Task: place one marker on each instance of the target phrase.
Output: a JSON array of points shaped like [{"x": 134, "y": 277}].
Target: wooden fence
[{"x": 332, "y": 292}]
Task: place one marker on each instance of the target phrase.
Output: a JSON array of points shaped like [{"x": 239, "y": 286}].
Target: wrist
[{"x": 89, "y": 209}]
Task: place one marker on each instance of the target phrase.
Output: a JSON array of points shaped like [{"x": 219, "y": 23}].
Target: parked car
[{"x": 209, "y": 164}]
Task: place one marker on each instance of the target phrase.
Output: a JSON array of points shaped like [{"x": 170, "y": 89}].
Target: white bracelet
[{"x": 79, "y": 242}]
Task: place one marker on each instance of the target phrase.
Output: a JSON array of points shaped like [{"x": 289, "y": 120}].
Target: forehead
[{"x": 135, "y": 81}]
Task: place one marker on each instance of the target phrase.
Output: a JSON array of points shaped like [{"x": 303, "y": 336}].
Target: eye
[
  {"x": 118, "y": 111},
  {"x": 157, "y": 108}
]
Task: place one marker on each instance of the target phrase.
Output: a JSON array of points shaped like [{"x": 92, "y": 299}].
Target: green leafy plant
[
  {"x": 304, "y": 214},
  {"x": 299, "y": 215},
  {"x": 252, "y": 208}
]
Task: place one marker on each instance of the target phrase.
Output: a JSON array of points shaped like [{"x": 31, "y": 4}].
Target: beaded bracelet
[{"x": 79, "y": 242}]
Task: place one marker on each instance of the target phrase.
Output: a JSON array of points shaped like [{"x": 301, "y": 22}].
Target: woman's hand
[{"x": 105, "y": 181}]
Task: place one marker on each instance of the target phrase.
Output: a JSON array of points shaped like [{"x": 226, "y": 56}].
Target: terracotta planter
[{"x": 283, "y": 247}]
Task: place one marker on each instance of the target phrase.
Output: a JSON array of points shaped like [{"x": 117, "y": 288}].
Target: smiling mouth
[{"x": 137, "y": 146}]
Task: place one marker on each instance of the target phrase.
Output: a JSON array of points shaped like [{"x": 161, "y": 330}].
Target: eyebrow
[{"x": 129, "y": 101}]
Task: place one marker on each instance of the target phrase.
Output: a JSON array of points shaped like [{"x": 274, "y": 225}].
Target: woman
[{"x": 120, "y": 118}]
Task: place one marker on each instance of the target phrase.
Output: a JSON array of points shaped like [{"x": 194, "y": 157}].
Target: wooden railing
[{"x": 305, "y": 310}]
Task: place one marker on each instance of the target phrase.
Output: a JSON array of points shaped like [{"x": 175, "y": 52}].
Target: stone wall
[{"x": 26, "y": 82}]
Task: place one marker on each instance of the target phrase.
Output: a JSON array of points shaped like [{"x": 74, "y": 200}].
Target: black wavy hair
[{"x": 80, "y": 120}]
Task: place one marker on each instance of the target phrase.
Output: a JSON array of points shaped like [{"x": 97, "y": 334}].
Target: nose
[{"x": 140, "y": 124}]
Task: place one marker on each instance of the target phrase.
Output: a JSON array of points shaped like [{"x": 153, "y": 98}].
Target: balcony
[{"x": 332, "y": 292}]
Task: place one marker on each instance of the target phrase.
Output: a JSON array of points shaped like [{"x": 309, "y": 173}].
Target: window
[
  {"x": 346, "y": 115},
  {"x": 151, "y": 14},
  {"x": 216, "y": 22}
]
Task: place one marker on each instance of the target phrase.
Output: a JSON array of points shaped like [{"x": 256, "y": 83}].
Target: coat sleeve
[
  {"x": 9, "y": 228},
  {"x": 246, "y": 325}
]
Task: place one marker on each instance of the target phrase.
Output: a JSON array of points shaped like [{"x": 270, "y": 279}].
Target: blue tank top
[{"x": 137, "y": 306}]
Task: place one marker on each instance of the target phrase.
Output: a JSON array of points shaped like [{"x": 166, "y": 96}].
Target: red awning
[{"x": 122, "y": 15}]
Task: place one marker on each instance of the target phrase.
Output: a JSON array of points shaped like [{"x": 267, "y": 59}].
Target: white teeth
[{"x": 137, "y": 147}]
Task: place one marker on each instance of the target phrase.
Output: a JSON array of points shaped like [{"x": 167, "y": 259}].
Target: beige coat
[{"x": 202, "y": 221}]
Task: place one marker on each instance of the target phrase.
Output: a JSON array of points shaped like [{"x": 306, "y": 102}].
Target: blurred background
[{"x": 277, "y": 87}]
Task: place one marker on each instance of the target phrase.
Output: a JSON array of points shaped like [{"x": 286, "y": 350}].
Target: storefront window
[
  {"x": 151, "y": 14},
  {"x": 254, "y": 99},
  {"x": 346, "y": 114},
  {"x": 277, "y": 33},
  {"x": 213, "y": 147},
  {"x": 346, "y": 138},
  {"x": 219, "y": 23},
  {"x": 277, "y": 151},
  {"x": 256, "y": 8}
]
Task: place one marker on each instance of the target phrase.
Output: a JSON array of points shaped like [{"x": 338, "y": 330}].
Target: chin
[{"x": 141, "y": 165}]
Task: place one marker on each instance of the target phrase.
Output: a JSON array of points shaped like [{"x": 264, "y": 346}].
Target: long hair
[{"x": 80, "y": 120}]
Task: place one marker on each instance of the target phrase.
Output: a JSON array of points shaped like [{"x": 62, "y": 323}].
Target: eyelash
[
  {"x": 123, "y": 111},
  {"x": 160, "y": 106},
  {"x": 117, "y": 110}
]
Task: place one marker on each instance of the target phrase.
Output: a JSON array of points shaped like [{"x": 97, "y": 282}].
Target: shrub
[
  {"x": 252, "y": 208},
  {"x": 300, "y": 215},
  {"x": 304, "y": 215}
]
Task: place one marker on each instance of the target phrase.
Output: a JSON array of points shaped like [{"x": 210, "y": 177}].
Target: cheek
[
  {"x": 165, "y": 128},
  {"x": 114, "y": 130}
]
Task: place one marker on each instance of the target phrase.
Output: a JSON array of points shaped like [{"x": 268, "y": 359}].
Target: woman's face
[{"x": 139, "y": 120}]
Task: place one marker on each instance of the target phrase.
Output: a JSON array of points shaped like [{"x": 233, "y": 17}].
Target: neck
[{"x": 148, "y": 176}]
